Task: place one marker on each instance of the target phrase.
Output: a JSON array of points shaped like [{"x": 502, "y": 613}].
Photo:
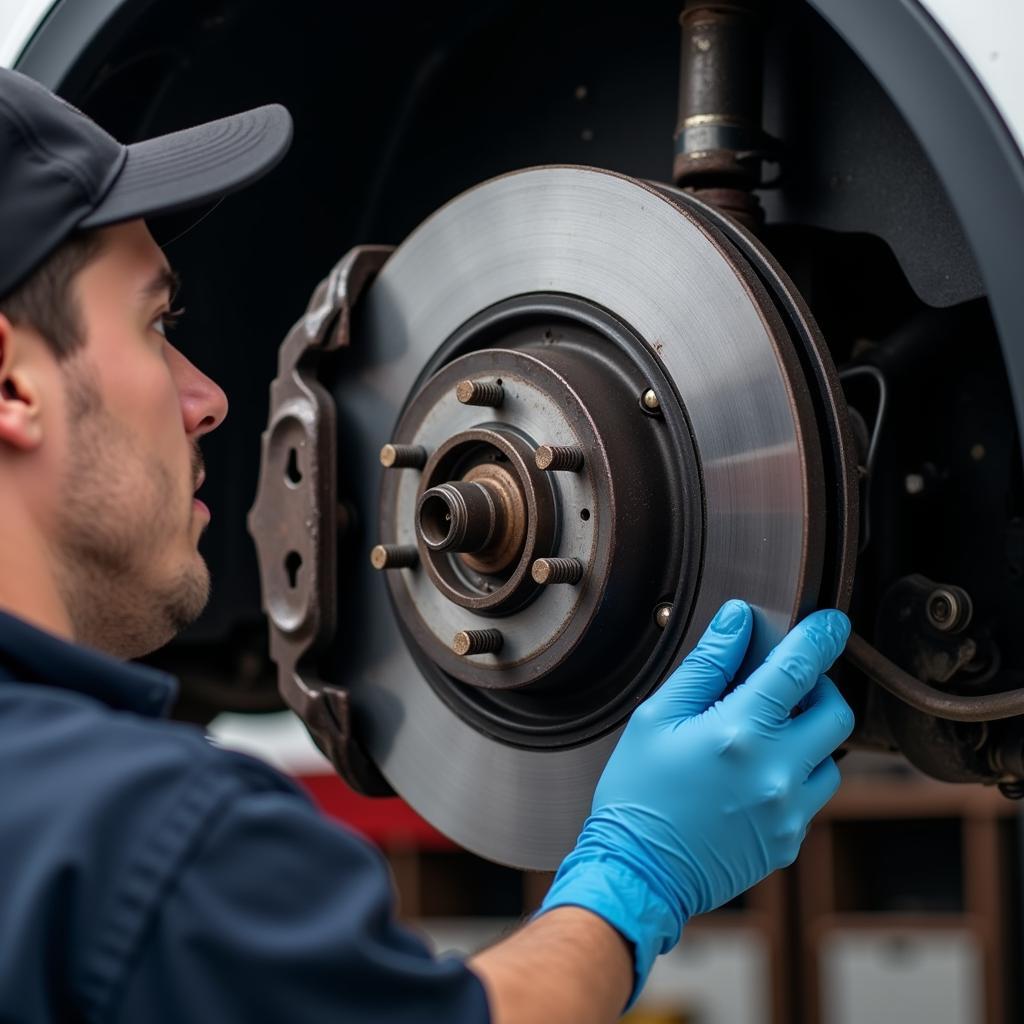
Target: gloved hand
[{"x": 700, "y": 800}]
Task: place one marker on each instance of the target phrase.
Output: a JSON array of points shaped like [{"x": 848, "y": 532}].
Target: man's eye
[{"x": 166, "y": 321}]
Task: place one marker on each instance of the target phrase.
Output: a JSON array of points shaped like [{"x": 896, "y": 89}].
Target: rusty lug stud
[
  {"x": 557, "y": 570},
  {"x": 650, "y": 401},
  {"x": 394, "y": 556},
  {"x": 478, "y": 392},
  {"x": 559, "y": 457},
  {"x": 662, "y": 614},
  {"x": 477, "y": 641},
  {"x": 403, "y": 456}
]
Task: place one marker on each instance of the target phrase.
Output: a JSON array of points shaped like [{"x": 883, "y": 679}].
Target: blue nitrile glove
[{"x": 700, "y": 800}]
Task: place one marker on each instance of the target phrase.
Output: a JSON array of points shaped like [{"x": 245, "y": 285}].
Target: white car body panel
[
  {"x": 19, "y": 20},
  {"x": 990, "y": 36}
]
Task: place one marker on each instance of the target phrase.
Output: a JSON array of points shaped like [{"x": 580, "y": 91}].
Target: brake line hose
[{"x": 924, "y": 697}]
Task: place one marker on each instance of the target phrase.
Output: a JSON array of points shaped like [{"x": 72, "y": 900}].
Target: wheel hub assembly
[{"x": 576, "y": 412}]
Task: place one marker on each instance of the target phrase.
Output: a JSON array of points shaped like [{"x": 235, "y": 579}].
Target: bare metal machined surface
[{"x": 620, "y": 243}]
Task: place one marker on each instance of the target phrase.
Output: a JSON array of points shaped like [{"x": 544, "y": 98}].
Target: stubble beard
[{"x": 119, "y": 511}]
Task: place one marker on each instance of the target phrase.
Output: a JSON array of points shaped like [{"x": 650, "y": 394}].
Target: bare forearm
[{"x": 568, "y": 965}]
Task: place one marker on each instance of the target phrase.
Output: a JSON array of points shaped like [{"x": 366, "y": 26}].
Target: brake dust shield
[{"x": 607, "y": 412}]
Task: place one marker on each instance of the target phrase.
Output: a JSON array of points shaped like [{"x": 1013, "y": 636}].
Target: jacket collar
[{"x": 28, "y": 654}]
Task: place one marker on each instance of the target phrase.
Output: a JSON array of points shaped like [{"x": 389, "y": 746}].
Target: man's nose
[{"x": 203, "y": 403}]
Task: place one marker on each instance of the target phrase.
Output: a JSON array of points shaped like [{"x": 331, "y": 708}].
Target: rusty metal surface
[
  {"x": 719, "y": 126},
  {"x": 716, "y": 331},
  {"x": 293, "y": 521},
  {"x": 436, "y": 605},
  {"x": 562, "y": 378},
  {"x": 524, "y": 530},
  {"x": 719, "y": 142},
  {"x": 492, "y": 770},
  {"x": 937, "y": 656},
  {"x": 512, "y": 526},
  {"x": 572, "y": 370},
  {"x": 742, "y": 206}
]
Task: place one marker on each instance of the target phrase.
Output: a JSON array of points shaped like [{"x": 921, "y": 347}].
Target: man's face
[{"x": 126, "y": 524}]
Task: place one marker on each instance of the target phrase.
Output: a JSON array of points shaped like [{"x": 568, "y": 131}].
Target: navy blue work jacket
[{"x": 147, "y": 876}]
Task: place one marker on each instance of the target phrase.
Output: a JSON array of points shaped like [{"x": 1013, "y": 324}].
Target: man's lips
[{"x": 197, "y": 502}]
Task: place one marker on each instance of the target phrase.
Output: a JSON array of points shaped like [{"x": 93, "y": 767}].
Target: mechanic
[{"x": 148, "y": 876}]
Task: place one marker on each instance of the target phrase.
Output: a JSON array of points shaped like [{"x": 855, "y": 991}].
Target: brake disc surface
[{"x": 602, "y": 253}]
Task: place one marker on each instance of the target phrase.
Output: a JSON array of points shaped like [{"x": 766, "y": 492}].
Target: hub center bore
[
  {"x": 457, "y": 517},
  {"x": 482, "y": 517},
  {"x": 483, "y": 514}
]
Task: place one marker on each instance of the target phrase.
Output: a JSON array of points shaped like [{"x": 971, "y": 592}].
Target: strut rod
[
  {"x": 911, "y": 690},
  {"x": 719, "y": 139}
]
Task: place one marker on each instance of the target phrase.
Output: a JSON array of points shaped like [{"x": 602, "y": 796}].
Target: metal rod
[
  {"x": 559, "y": 458},
  {"x": 719, "y": 140},
  {"x": 403, "y": 456},
  {"x": 459, "y": 516},
  {"x": 478, "y": 392},
  {"x": 477, "y": 641},
  {"x": 394, "y": 556},
  {"x": 924, "y": 697},
  {"x": 557, "y": 570}
]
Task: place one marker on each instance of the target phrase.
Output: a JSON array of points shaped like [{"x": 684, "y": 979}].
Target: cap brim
[{"x": 195, "y": 166}]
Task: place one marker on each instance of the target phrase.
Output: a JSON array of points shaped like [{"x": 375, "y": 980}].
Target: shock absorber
[{"x": 719, "y": 141}]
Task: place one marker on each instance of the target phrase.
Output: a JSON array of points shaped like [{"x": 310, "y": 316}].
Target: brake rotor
[{"x": 586, "y": 378}]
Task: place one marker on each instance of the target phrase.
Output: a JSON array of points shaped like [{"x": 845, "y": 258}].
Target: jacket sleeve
[{"x": 277, "y": 914}]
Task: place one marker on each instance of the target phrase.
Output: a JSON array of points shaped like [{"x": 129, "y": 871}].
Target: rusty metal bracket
[
  {"x": 934, "y": 647},
  {"x": 293, "y": 520}
]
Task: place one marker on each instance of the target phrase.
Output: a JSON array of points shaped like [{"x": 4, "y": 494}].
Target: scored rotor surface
[{"x": 628, "y": 247}]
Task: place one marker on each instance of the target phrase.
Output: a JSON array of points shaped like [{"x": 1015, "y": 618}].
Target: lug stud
[
  {"x": 478, "y": 392},
  {"x": 403, "y": 456},
  {"x": 559, "y": 457},
  {"x": 394, "y": 556},
  {"x": 662, "y": 615},
  {"x": 650, "y": 401},
  {"x": 477, "y": 641},
  {"x": 547, "y": 571}
]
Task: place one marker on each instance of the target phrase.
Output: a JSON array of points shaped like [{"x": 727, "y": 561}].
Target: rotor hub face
[
  {"x": 712, "y": 488},
  {"x": 571, "y": 379}
]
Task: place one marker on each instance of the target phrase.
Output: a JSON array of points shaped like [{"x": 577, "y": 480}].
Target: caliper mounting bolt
[
  {"x": 949, "y": 609},
  {"x": 557, "y": 570},
  {"x": 403, "y": 456},
  {"x": 394, "y": 556},
  {"x": 559, "y": 457},
  {"x": 477, "y": 392},
  {"x": 477, "y": 641}
]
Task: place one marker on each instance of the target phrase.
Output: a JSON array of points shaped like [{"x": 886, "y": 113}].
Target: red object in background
[{"x": 388, "y": 822}]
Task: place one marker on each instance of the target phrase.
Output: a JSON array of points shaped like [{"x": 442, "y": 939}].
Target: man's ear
[{"x": 20, "y": 407}]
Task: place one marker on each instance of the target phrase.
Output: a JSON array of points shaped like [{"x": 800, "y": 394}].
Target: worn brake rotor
[{"x": 607, "y": 412}]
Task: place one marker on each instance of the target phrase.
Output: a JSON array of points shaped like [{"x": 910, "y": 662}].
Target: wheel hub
[
  {"x": 546, "y": 522},
  {"x": 602, "y": 409}
]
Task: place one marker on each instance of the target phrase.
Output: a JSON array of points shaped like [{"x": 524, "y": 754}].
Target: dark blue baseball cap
[{"x": 60, "y": 172}]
